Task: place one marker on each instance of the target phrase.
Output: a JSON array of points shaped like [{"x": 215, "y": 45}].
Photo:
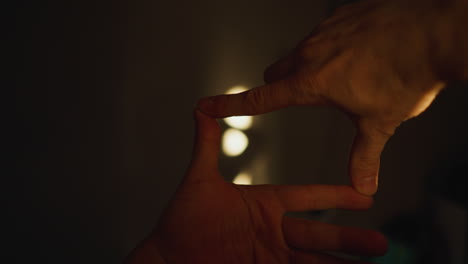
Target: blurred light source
[
  {"x": 243, "y": 178},
  {"x": 236, "y": 89},
  {"x": 234, "y": 142},
  {"x": 239, "y": 122}
]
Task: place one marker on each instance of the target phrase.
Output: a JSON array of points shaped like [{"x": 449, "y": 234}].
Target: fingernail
[{"x": 367, "y": 186}]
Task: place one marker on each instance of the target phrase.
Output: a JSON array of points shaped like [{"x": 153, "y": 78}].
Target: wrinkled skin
[
  {"x": 377, "y": 61},
  {"x": 214, "y": 221}
]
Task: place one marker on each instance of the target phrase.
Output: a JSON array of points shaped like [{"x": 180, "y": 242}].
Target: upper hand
[
  {"x": 373, "y": 59},
  {"x": 214, "y": 221}
]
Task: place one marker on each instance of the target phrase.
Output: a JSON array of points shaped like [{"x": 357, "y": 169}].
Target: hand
[
  {"x": 375, "y": 60},
  {"x": 214, "y": 221}
]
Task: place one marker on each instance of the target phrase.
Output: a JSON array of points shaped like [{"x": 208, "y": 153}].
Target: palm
[
  {"x": 213, "y": 221},
  {"x": 242, "y": 232}
]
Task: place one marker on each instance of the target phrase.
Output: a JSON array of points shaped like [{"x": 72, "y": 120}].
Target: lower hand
[{"x": 214, "y": 221}]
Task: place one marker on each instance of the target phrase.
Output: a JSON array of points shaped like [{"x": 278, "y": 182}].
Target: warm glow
[
  {"x": 427, "y": 99},
  {"x": 239, "y": 122},
  {"x": 243, "y": 178},
  {"x": 236, "y": 89},
  {"x": 234, "y": 142}
]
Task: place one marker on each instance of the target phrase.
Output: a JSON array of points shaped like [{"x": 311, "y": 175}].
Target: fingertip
[
  {"x": 374, "y": 243},
  {"x": 383, "y": 243},
  {"x": 378, "y": 243},
  {"x": 205, "y": 104},
  {"x": 365, "y": 155},
  {"x": 364, "y": 170},
  {"x": 206, "y": 125},
  {"x": 214, "y": 106},
  {"x": 206, "y": 147},
  {"x": 366, "y": 186},
  {"x": 199, "y": 115}
]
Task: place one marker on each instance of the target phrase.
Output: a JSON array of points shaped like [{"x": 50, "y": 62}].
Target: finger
[
  {"x": 299, "y": 257},
  {"x": 280, "y": 69},
  {"x": 262, "y": 99},
  {"x": 320, "y": 197},
  {"x": 258, "y": 100},
  {"x": 365, "y": 156},
  {"x": 317, "y": 236},
  {"x": 207, "y": 143}
]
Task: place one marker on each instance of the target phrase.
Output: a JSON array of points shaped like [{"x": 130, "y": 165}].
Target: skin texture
[
  {"x": 380, "y": 62},
  {"x": 210, "y": 220}
]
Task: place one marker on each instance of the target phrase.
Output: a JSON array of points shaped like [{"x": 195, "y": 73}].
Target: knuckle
[
  {"x": 255, "y": 100},
  {"x": 307, "y": 88}
]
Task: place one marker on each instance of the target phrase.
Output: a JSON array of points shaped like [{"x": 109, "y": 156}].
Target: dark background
[{"x": 104, "y": 98}]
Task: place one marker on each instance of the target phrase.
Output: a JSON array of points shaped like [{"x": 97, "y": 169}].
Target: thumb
[
  {"x": 206, "y": 149},
  {"x": 364, "y": 161}
]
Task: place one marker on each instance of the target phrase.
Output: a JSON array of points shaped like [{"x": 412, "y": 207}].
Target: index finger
[
  {"x": 296, "y": 198},
  {"x": 263, "y": 99}
]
